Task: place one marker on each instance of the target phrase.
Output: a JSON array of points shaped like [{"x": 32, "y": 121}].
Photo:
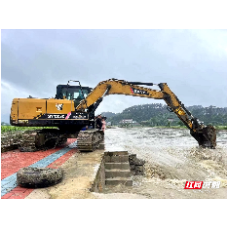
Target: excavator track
[
  {"x": 41, "y": 140},
  {"x": 89, "y": 140},
  {"x": 27, "y": 143}
]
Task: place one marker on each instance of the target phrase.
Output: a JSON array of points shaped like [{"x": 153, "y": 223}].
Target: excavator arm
[{"x": 205, "y": 135}]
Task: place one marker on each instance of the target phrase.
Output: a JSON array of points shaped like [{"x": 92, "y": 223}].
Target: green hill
[
  {"x": 157, "y": 114},
  {"x": 108, "y": 114}
]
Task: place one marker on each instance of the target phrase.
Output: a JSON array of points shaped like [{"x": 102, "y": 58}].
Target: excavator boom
[{"x": 205, "y": 135}]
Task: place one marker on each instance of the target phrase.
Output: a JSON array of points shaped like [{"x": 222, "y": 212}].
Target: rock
[
  {"x": 139, "y": 168},
  {"x": 132, "y": 167},
  {"x": 139, "y": 162},
  {"x": 132, "y": 156},
  {"x": 138, "y": 173}
]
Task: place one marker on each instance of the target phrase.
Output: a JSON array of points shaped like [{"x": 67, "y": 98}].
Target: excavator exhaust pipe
[{"x": 206, "y": 137}]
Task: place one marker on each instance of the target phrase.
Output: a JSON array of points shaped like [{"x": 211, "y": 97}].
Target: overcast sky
[{"x": 192, "y": 62}]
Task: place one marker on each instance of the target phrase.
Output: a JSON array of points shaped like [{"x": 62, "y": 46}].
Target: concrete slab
[
  {"x": 119, "y": 180},
  {"x": 111, "y": 153},
  {"x": 113, "y": 149},
  {"x": 117, "y": 173},
  {"x": 113, "y": 165},
  {"x": 116, "y": 159}
]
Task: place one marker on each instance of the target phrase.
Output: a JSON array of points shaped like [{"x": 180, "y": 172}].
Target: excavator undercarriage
[
  {"x": 88, "y": 140},
  {"x": 74, "y": 108}
]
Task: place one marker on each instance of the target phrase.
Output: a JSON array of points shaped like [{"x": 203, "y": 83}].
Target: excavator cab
[{"x": 74, "y": 93}]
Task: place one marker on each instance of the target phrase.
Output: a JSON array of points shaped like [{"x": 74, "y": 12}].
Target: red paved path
[{"x": 12, "y": 161}]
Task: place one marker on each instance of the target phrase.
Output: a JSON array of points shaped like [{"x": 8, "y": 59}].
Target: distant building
[{"x": 126, "y": 121}]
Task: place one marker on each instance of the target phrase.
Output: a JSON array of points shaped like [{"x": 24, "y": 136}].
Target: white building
[{"x": 126, "y": 121}]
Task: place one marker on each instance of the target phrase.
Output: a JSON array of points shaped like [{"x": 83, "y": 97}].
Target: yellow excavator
[{"x": 74, "y": 108}]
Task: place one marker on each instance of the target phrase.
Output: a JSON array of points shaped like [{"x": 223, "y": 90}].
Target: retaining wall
[{"x": 136, "y": 167}]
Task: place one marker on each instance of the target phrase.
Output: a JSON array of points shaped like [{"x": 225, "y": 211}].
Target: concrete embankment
[{"x": 86, "y": 174}]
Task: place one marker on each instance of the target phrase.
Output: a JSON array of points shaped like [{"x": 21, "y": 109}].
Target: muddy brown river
[{"x": 172, "y": 158}]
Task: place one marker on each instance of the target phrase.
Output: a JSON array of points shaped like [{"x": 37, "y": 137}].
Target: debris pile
[{"x": 136, "y": 165}]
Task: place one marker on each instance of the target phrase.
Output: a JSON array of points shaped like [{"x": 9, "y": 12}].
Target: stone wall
[{"x": 136, "y": 165}]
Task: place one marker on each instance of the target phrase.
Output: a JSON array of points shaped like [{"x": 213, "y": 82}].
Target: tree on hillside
[
  {"x": 108, "y": 114},
  {"x": 157, "y": 114},
  {"x": 180, "y": 123}
]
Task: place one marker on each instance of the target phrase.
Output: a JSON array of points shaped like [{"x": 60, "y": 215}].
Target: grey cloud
[{"x": 190, "y": 61}]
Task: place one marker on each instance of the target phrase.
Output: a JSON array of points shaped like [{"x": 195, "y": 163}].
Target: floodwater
[{"x": 172, "y": 155}]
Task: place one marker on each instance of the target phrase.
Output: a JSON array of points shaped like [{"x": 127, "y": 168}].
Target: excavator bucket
[{"x": 206, "y": 137}]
